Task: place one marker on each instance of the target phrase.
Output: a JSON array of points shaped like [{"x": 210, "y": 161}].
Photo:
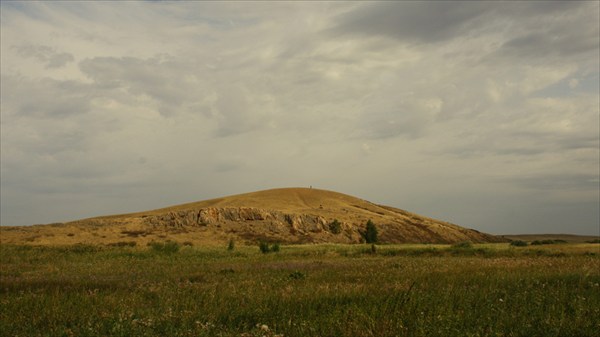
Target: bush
[
  {"x": 297, "y": 275},
  {"x": 463, "y": 245},
  {"x": 335, "y": 227},
  {"x": 518, "y": 243},
  {"x": 168, "y": 247},
  {"x": 123, "y": 244},
  {"x": 370, "y": 234},
  {"x": 231, "y": 245},
  {"x": 265, "y": 248},
  {"x": 83, "y": 248},
  {"x": 547, "y": 242}
]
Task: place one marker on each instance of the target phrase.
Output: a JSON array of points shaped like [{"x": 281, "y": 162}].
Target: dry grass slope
[{"x": 287, "y": 215}]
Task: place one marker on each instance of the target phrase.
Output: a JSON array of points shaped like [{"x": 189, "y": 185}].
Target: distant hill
[
  {"x": 287, "y": 215},
  {"x": 540, "y": 237}
]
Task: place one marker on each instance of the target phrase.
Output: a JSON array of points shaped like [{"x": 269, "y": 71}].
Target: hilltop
[{"x": 286, "y": 215}]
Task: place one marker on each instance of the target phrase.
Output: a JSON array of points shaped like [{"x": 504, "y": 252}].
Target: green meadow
[{"x": 309, "y": 290}]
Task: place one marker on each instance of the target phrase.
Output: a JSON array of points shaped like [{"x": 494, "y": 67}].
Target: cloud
[
  {"x": 459, "y": 110},
  {"x": 45, "y": 54},
  {"x": 44, "y": 98},
  {"x": 411, "y": 21}
]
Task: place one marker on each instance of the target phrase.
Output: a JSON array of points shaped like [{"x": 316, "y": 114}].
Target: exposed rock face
[
  {"x": 213, "y": 216},
  {"x": 252, "y": 223}
]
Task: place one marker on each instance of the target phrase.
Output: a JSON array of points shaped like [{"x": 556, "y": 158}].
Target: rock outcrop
[
  {"x": 289, "y": 215},
  {"x": 251, "y": 222}
]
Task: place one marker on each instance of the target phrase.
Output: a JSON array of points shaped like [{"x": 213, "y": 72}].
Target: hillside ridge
[{"x": 286, "y": 215}]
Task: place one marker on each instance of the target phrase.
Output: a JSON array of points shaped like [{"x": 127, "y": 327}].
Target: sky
[{"x": 484, "y": 114}]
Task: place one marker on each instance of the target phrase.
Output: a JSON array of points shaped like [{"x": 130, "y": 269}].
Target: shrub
[
  {"x": 226, "y": 271},
  {"x": 168, "y": 247},
  {"x": 370, "y": 234},
  {"x": 518, "y": 243},
  {"x": 231, "y": 245},
  {"x": 463, "y": 245},
  {"x": 594, "y": 241},
  {"x": 297, "y": 275},
  {"x": 335, "y": 227},
  {"x": 547, "y": 242},
  {"x": 123, "y": 244},
  {"x": 83, "y": 248},
  {"x": 264, "y": 247}
]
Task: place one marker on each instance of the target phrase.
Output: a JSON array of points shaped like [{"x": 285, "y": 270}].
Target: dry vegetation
[{"x": 309, "y": 290}]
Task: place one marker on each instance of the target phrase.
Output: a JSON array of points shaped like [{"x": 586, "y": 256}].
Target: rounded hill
[{"x": 286, "y": 215}]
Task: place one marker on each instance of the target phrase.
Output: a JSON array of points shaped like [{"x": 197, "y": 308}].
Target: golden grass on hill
[{"x": 287, "y": 215}]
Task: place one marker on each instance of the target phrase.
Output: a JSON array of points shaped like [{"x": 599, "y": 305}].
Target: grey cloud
[
  {"x": 45, "y": 54},
  {"x": 234, "y": 112},
  {"x": 493, "y": 142},
  {"x": 388, "y": 124},
  {"x": 160, "y": 79},
  {"x": 179, "y": 87},
  {"x": 560, "y": 38},
  {"x": 47, "y": 98},
  {"x": 534, "y": 28},
  {"x": 418, "y": 21}
]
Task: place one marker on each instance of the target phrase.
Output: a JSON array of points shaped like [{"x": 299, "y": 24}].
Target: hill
[
  {"x": 564, "y": 237},
  {"x": 287, "y": 215}
]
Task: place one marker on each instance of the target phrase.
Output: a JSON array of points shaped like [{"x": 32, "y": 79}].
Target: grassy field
[{"x": 320, "y": 290}]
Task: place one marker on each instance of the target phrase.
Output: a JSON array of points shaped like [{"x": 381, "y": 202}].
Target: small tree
[
  {"x": 335, "y": 227},
  {"x": 370, "y": 234},
  {"x": 264, "y": 247},
  {"x": 231, "y": 245}
]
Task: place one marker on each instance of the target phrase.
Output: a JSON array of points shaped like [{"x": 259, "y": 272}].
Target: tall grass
[{"x": 302, "y": 291}]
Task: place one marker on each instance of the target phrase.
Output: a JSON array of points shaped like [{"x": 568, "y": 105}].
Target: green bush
[
  {"x": 83, "y": 248},
  {"x": 123, "y": 244},
  {"x": 370, "y": 234},
  {"x": 463, "y": 245},
  {"x": 168, "y": 247},
  {"x": 297, "y": 275},
  {"x": 335, "y": 227},
  {"x": 547, "y": 242},
  {"x": 264, "y": 247},
  {"x": 231, "y": 245},
  {"x": 518, "y": 243}
]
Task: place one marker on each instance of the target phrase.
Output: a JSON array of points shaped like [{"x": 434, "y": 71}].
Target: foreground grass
[{"x": 323, "y": 290}]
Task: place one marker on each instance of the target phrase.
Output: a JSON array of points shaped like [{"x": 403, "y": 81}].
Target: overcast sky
[{"x": 485, "y": 114}]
